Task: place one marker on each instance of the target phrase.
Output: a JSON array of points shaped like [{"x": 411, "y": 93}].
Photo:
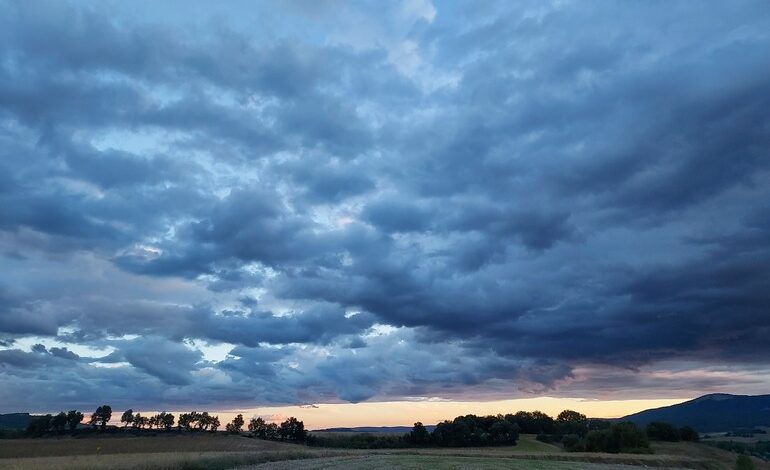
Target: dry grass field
[
  {"x": 66, "y": 446},
  {"x": 438, "y": 462},
  {"x": 198, "y": 452}
]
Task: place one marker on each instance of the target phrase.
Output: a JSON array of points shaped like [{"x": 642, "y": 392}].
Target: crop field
[{"x": 219, "y": 452}]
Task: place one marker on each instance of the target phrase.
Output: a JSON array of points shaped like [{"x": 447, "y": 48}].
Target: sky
[{"x": 416, "y": 205}]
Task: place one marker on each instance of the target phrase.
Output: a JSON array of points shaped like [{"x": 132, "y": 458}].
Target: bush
[
  {"x": 744, "y": 462},
  {"x": 475, "y": 431},
  {"x": 573, "y": 443},
  {"x": 659, "y": 431},
  {"x": 620, "y": 437},
  {"x": 687, "y": 433}
]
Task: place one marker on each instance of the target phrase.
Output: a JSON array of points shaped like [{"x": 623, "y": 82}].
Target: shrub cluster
[
  {"x": 354, "y": 440},
  {"x": 622, "y": 437},
  {"x": 290, "y": 430},
  {"x": 59, "y": 422},
  {"x": 619, "y": 437},
  {"x": 659, "y": 431},
  {"x": 469, "y": 431}
]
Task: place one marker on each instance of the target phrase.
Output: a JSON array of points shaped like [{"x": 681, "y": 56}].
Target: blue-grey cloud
[{"x": 486, "y": 201}]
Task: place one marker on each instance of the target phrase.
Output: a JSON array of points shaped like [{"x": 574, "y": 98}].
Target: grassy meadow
[{"x": 221, "y": 451}]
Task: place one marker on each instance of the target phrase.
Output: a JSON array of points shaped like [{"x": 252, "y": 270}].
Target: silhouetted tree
[
  {"x": 272, "y": 431},
  {"x": 293, "y": 429},
  {"x": 127, "y": 417},
  {"x": 572, "y": 422},
  {"x": 472, "y": 430},
  {"x": 258, "y": 427},
  {"x": 503, "y": 431},
  {"x": 419, "y": 435},
  {"x": 59, "y": 422},
  {"x": 101, "y": 416},
  {"x": 201, "y": 420},
  {"x": 185, "y": 421},
  {"x": 235, "y": 425},
  {"x": 215, "y": 423},
  {"x": 74, "y": 418},
  {"x": 166, "y": 420},
  {"x": 138, "y": 421},
  {"x": 535, "y": 422}
]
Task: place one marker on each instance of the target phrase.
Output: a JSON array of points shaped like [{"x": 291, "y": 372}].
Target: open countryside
[{"x": 384, "y": 234}]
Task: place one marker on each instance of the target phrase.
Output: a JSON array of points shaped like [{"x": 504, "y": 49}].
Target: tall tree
[
  {"x": 59, "y": 422},
  {"x": 185, "y": 421},
  {"x": 204, "y": 420},
  {"x": 293, "y": 429},
  {"x": 101, "y": 416},
  {"x": 419, "y": 435},
  {"x": 258, "y": 427},
  {"x": 166, "y": 420},
  {"x": 572, "y": 422},
  {"x": 74, "y": 418},
  {"x": 127, "y": 417},
  {"x": 236, "y": 424},
  {"x": 272, "y": 431}
]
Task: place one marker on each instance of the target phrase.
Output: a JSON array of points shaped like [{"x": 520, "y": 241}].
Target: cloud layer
[{"x": 296, "y": 203}]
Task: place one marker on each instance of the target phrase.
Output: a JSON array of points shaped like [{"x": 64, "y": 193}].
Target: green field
[{"x": 221, "y": 451}]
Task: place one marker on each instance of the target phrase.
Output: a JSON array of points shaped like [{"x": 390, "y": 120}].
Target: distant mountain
[
  {"x": 711, "y": 413},
  {"x": 380, "y": 429},
  {"x": 14, "y": 421}
]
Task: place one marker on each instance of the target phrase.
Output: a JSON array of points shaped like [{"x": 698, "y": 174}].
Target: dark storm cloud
[
  {"x": 20, "y": 316},
  {"x": 329, "y": 183},
  {"x": 169, "y": 361},
  {"x": 396, "y": 216},
  {"x": 470, "y": 204}
]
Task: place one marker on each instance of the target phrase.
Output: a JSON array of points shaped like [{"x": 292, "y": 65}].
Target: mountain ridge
[{"x": 711, "y": 413}]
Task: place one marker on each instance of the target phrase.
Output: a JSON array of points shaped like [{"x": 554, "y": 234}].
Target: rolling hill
[
  {"x": 711, "y": 413},
  {"x": 14, "y": 421}
]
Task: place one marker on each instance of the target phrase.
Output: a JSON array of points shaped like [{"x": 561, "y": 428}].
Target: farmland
[{"x": 206, "y": 451}]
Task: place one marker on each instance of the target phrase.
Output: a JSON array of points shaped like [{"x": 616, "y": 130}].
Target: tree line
[
  {"x": 577, "y": 433},
  {"x": 572, "y": 431},
  {"x": 475, "y": 431},
  {"x": 467, "y": 431},
  {"x": 291, "y": 429}
]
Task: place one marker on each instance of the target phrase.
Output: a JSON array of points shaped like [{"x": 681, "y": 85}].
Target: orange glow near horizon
[{"x": 405, "y": 413}]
